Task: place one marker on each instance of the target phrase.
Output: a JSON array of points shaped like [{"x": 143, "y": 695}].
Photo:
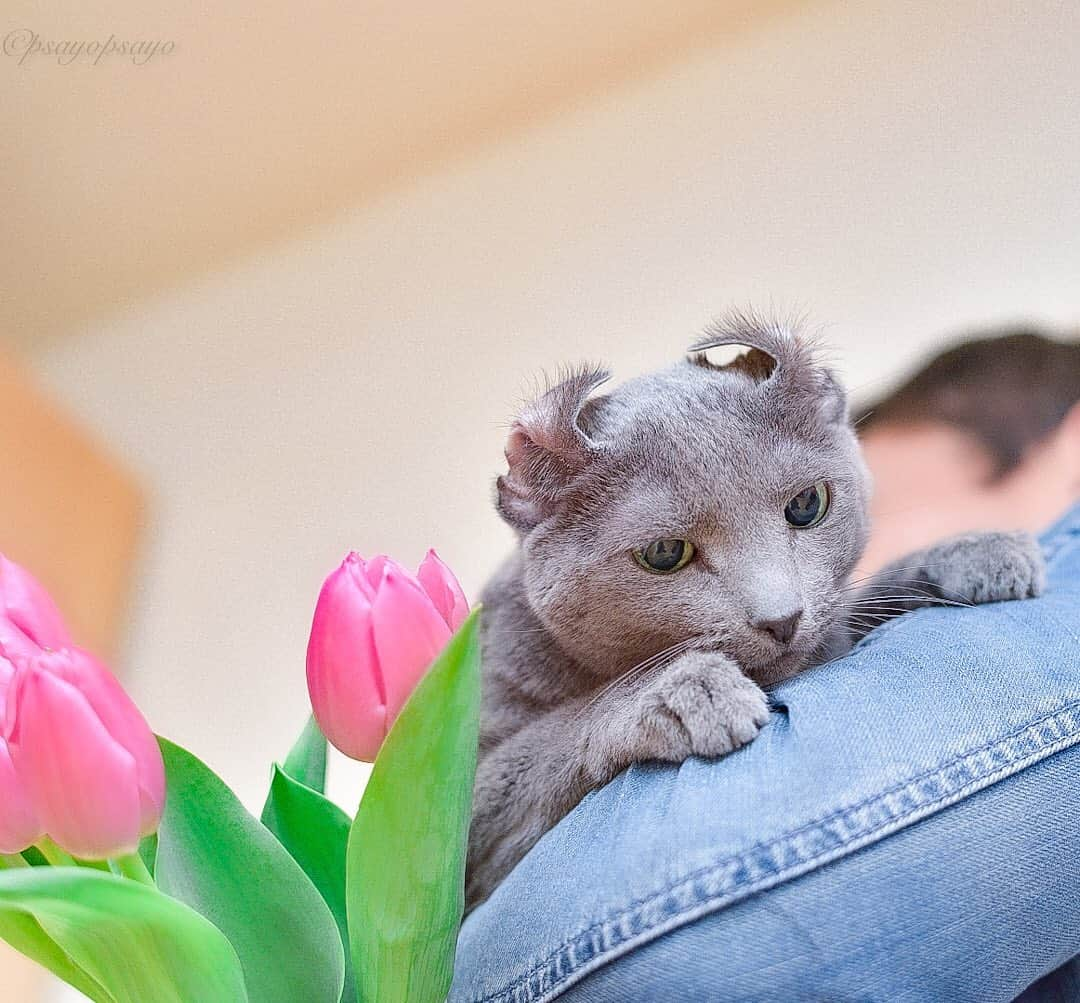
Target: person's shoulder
[
  {"x": 925, "y": 713},
  {"x": 1061, "y": 542}
]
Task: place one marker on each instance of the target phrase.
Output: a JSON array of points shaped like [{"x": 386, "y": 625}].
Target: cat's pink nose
[{"x": 782, "y": 629}]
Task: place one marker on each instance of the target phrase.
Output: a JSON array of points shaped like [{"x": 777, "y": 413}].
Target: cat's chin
[{"x": 777, "y": 669}]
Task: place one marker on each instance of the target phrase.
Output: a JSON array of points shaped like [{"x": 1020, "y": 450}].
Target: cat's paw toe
[
  {"x": 993, "y": 567},
  {"x": 705, "y": 707}
]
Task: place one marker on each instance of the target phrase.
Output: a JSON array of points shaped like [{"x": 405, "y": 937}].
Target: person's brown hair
[{"x": 1009, "y": 390}]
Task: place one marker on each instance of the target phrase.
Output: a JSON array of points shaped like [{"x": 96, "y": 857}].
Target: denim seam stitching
[
  {"x": 741, "y": 875},
  {"x": 917, "y": 779}
]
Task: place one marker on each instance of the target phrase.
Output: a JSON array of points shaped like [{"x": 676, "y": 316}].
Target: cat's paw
[
  {"x": 702, "y": 705},
  {"x": 990, "y": 567}
]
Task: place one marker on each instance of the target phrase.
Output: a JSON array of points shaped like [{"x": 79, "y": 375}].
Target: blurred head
[
  {"x": 985, "y": 436},
  {"x": 722, "y": 506}
]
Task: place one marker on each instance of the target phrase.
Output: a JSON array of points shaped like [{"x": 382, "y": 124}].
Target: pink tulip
[
  {"x": 376, "y": 631},
  {"x": 88, "y": 760},
  {"x": 29, "y": 621},
  {"x": 29, "y": 618},
  {"x": 19, "y": 826},
  {"x": 7, "y": 670}
]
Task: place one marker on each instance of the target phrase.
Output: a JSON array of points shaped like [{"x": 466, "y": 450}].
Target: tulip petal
[
  {"x": 409, "y": 632},
  {"x": 14, "y": 644},
  {"x": 357, "y": 568},
  {"x": 18, "y": 825},
  {"x": 7, "y": 670},
  {"x": 7, "y": 708},
  {"x": 438, "y": 581},
  {"x": 81, "y": 782},
  {"x": 30, "y": 608},
  {"x": 377, "y": 567},
  {"x": 343, "y": 675},
  {"x": 373, "y": 571},
  {"x": 122, "y": 720}
]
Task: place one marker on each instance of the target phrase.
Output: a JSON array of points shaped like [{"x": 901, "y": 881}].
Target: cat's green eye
[
  {"x": 808, "y": 507},
  {"x": 664, "y": 557}
]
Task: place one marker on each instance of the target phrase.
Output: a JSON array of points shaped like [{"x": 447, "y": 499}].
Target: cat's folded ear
[
  {"x": 778, "y": 355},
  {"x": 547, "y": 448}
]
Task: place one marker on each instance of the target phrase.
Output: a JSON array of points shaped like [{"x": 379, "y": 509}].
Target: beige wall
[
  {"x": 242, "y": 122},
  {"x": 895, "y": 170}
]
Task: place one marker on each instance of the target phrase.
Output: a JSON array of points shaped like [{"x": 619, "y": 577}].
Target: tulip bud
[
  {"x": 89, "y": 762},
  {"x": 29, "y": 618},
  {"x": 438, "y": 581},
  {"x": 19, "y": 827},
  {"x": 375, "y": 632}
]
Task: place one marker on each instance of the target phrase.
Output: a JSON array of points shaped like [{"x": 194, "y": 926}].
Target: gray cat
[{"x": 685, "y": 543}]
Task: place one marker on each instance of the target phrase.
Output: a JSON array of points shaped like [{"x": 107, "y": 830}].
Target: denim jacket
[{"x": 906, "y": 827}]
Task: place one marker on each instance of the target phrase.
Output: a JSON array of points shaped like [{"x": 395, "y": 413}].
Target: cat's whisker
[
  {"x": 653, "y": 661},
  {"x": 867, "y": 621},
  {"x": 935, "y": 585},
  {"x": 860, "y": 629},
  {"x": 859, "y": 611},
  {"x": 879, "y": 617},
  {"x": 660, "y": 658},
  {"x": 879, "y": 602},
  {"x": 911, "y": 585},
  {"x": 910, "y": 596},
  {"x": 874, "y": 610},
  {"x": 888, "y": 571},
  {"x": 932, "y": 593},
  {"x": 630, "y": 674},
  {"x": 887, "y": 614},
  {"x": 511, "y": 630},
  {"x": 855, "y": 615},
  {"x": 926, "y": 594},
  {"x": 609, "y": 688}
]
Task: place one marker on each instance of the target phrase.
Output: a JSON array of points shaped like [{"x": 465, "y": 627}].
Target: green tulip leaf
[
  {"x": 315, "y": 831},
  {"x": 115, "y": 940},
  {"x": 148, "y": 852},
  {"x": 213, "y": 856},
  {"x": 33, "y": 856},
  {"x": 406, "y": 854},
  {"x": 306, "y": 761},
  {"x": 23, "y": 932}
]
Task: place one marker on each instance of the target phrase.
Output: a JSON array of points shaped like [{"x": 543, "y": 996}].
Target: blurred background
[{"x": 273, "y": 291}]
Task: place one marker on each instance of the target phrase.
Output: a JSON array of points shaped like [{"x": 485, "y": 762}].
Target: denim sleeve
[{"x": 906, "y": 827}]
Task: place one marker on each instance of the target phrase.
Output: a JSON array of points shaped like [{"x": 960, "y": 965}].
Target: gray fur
[{"x": 590, "y": 662}]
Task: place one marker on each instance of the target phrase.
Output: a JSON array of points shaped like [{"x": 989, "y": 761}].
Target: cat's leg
[
  {"x": 524, "y": 785},
  {"x": 699, "y": 704},
  {"x": 963, "y": 570}
]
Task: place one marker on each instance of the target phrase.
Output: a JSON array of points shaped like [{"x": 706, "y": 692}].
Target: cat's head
[{"x": 721, "y": 505}]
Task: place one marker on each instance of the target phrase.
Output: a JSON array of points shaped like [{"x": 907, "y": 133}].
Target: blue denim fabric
[{"x": 906, "y": 827}]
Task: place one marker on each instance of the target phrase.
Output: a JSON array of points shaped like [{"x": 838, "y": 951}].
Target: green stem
[
  {"x": 12, "y": 861},
  {"x": 54, "y": 855},
  {"x": 132, "y": 866}
]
